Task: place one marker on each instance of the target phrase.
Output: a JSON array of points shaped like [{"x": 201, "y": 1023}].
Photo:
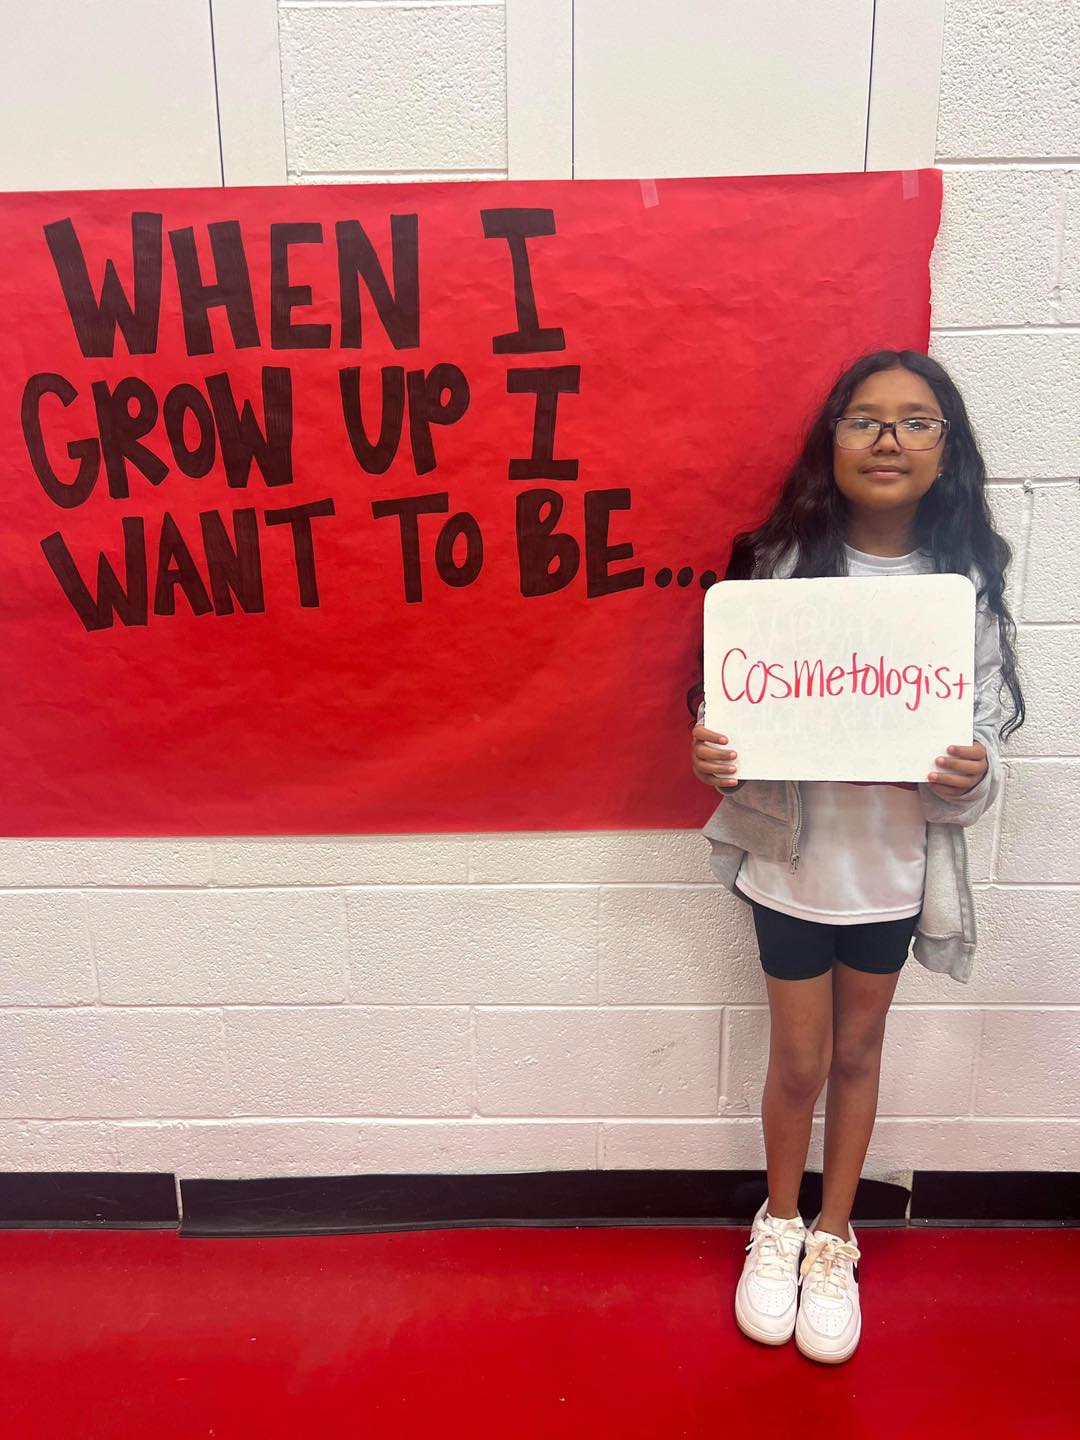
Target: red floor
[{"x": 524, "y": 1334}]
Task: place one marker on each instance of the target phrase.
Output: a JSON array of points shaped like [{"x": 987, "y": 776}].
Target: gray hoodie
[{"x": 765, "y": 817}]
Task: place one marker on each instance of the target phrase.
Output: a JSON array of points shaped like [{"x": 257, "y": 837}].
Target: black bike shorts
[{"x": 792, "y": 948}]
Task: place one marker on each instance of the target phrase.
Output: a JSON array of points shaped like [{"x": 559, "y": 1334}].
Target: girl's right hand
[{"x": 712, "y": 764}]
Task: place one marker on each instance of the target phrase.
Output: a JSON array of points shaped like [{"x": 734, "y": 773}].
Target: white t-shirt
[{"x": 862, "y": 847}]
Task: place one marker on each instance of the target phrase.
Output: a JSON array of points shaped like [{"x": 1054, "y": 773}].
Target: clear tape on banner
[
  {"x": 909, "y": 184},
  {"x": 649, "y": 197}
]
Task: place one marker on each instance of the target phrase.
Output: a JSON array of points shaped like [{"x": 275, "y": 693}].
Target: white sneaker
[
  {"x": 829, "y": 1322},
  {"x": 767, "y": 1295}
]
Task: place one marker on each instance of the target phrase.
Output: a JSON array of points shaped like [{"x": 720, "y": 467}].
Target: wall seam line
[
  {"x": 869, "y": 86},
  {"x": 217, "y": 96}
]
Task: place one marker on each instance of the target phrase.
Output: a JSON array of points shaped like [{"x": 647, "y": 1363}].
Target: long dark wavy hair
[{"x": 953, "y": 521}]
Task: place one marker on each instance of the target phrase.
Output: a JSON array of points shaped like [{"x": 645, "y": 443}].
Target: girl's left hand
[{"x": 961, "y": 770}]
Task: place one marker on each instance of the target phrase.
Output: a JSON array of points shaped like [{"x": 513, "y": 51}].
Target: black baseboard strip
[
  {"x": 94, "y": 1200},
  {"x": 373, "y": 1204},
  {"x": 995, "y": 1197},
  {"x": 370, "y": 1204}
]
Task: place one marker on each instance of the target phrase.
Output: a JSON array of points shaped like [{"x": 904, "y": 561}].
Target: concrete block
[
  {"x": 65, "y": 1145},
  {"x": 592, "y": 857},
  {"x": 168, "y": 947},
  {"x": 216, "y": 1149},
  {"x": 1008, "y": 80},
  {"x": 926, "y": 1062},
  {"x": 394, "y": 87},
  {"x": 980, "y": 843},
  {"x": 348, "y": 860},
  {"x": 348, "y": 1061},
  {"x": 966, "y": 1143},
  {"x": 712, "y": 1144},
  {"x": 1029, "y": 1063},
  {"x": 1028, "y": 941},
  {"x": 473, "y": 946},
  {"x": 238, "y": 1149},
  {"x": 397, "y": 177},
  {"x": 677, "y": 945},
  {"x": 39, "y": 863},
  {"x": 148, "y": 862},
  {"x": 1069, "y": 274},
  {"x": 1049, "y": 670},
  {"x": 44, "y": 949},
  {"x": 103, "y": 862},
  {"x": 1038, "y": 823},
  {"x": 897, "y": 1146},
  {"x": 105, "y": 1064},
  {"x": 1010, "y": 509},
  {"x": 995, "y": 258},
  {"x": 596, "y": 1062},
  {"x": 1052, "y": 579},
  {"x": 1022, "y": 392}
]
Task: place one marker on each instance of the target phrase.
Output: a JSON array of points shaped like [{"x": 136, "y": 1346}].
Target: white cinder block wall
[{"x": 545, "y": 1001}]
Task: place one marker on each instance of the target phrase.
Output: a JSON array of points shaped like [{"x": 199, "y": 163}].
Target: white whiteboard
[{"x": 843, "y": 678}]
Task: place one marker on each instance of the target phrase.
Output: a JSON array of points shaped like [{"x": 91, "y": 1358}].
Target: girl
[{"x": 840, "y": 877}]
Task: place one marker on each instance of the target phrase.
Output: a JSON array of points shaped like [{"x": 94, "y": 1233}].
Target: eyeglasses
[{"x": 860, "y": 432}]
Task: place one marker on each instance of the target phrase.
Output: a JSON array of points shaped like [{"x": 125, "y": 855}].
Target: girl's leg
[
  {"x": 860, "y": 1004},
  {"x": 800, "y": 1043}
]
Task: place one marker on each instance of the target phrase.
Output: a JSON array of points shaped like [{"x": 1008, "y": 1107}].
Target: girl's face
[{"x": 884, "y": 476}]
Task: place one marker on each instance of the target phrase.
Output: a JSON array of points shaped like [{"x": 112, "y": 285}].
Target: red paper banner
[{"x": 389, "y": 508}]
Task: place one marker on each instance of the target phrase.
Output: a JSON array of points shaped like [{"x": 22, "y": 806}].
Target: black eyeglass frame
[{"x": 891, "y": 425}]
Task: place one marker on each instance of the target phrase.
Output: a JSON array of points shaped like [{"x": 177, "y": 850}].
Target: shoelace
[
  {"x": 825, "y": 1254},
  {"x": 777, "y": 1242}
]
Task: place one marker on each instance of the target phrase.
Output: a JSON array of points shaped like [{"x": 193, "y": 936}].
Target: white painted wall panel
[
  {"x": 905, "y": 77},
  {"x": 539, "y": 89},
  {"x": 718, "y": 87},
  {"x": 247, "y": 62},
  {"x": 108, "y": 94}
]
